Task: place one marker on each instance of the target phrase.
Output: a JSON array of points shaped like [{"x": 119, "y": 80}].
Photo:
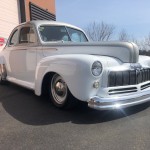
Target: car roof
[{"x": 47, "y": 22}]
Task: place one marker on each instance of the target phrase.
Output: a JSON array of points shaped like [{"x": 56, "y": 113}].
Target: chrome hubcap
[{"x": 59, "y": 89}]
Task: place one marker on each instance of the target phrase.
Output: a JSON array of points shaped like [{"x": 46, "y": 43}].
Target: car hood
[{"x": 126, "y": 52}]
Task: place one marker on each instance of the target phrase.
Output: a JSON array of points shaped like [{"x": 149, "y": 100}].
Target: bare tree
[
  {"x": 100, "y": 31},
  {"x": 147, "y": 40},
  {"x": 123, "y": 35},
  {"x": 145, "y": 43},
  {"x": 134, "y": 40},
  {"x": 142, "y": 45}
]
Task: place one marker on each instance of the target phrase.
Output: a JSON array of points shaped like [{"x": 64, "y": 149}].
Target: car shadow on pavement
[{"x": 27, "y": 108}]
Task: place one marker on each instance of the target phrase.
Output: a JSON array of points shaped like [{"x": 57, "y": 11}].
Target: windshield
[
  {"x": 61, "y": 33},
  {"x": 76, "y": 35}
]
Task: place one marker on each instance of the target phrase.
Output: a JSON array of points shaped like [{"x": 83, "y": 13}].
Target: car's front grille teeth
[
  {"x": 122, "y": 91},
  {"x": 128, "y": 77},
  {"x": 145, "y": 86}
]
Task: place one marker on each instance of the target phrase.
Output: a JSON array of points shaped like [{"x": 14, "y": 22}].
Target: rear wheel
[
  {"x": 60, "y": 94},
  {"x": 2, "y": 74}
]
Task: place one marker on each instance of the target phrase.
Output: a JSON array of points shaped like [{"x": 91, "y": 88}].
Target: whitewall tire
[{"x": 60, "y": 94}]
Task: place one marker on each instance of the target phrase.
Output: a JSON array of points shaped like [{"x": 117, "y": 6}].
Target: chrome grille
[
  {"x": 128, "y": 77},
  {"x": 122, "y": 90},
  {"x": 145, "y": 86}
]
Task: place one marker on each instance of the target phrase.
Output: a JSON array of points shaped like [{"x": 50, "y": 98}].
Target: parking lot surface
[{"x": 31, "y": 122}]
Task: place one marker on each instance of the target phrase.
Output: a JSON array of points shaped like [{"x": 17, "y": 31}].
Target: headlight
[{"x": 96, "y": 68}]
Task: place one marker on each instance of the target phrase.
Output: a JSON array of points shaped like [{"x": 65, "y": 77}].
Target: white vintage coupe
[{"x": 58, "y": 59}]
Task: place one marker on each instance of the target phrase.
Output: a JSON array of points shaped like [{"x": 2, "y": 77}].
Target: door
[{"x": 22, "y": 56}]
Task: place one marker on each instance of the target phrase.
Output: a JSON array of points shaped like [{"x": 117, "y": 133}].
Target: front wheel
[{"x": 60, "y": 94}]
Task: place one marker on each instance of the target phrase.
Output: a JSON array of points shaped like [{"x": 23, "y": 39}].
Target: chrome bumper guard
[{"x": 119, "y": 102}]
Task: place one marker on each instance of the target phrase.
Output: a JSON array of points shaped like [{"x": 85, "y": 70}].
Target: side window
[
  {"x": 14, "y": 38},
  {"x": 27, "y": 35}
]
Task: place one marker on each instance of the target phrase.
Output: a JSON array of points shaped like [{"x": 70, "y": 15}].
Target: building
[{"x": 13, "y": 12}]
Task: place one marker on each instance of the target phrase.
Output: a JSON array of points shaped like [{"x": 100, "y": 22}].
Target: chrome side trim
[{"x": 119, "y": 102}]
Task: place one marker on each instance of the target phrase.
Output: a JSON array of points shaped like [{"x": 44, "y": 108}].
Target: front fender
[{"x": 75, "y": 70}]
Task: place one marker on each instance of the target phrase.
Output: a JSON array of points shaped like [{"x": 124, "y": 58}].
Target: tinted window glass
[
  {"x": 53, "y": 33},
  {"x": 14, "y": 38},
  {"x": 27, "y": 35},
  {"x": 77, "y": 35}
]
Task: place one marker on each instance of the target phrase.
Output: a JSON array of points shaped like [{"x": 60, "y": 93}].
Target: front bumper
[{"x": 119, "y": 102}]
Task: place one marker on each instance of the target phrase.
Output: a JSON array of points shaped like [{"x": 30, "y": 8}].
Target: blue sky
[{"x": 131, "y": 15}]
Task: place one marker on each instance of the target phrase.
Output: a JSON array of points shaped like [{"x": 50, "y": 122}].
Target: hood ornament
[{"x": 135, "y": 66}]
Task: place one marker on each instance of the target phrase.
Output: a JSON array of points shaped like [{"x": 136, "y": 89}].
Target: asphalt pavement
[{"x": 30, "y": 122}]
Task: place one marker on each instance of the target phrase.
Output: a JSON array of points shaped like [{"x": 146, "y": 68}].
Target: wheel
[
  {"x": 60, "y": 94},
  {"x": 2, "y": 74}
]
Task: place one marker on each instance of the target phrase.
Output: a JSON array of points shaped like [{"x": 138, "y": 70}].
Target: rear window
[{"x": 27, "y": 35}]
